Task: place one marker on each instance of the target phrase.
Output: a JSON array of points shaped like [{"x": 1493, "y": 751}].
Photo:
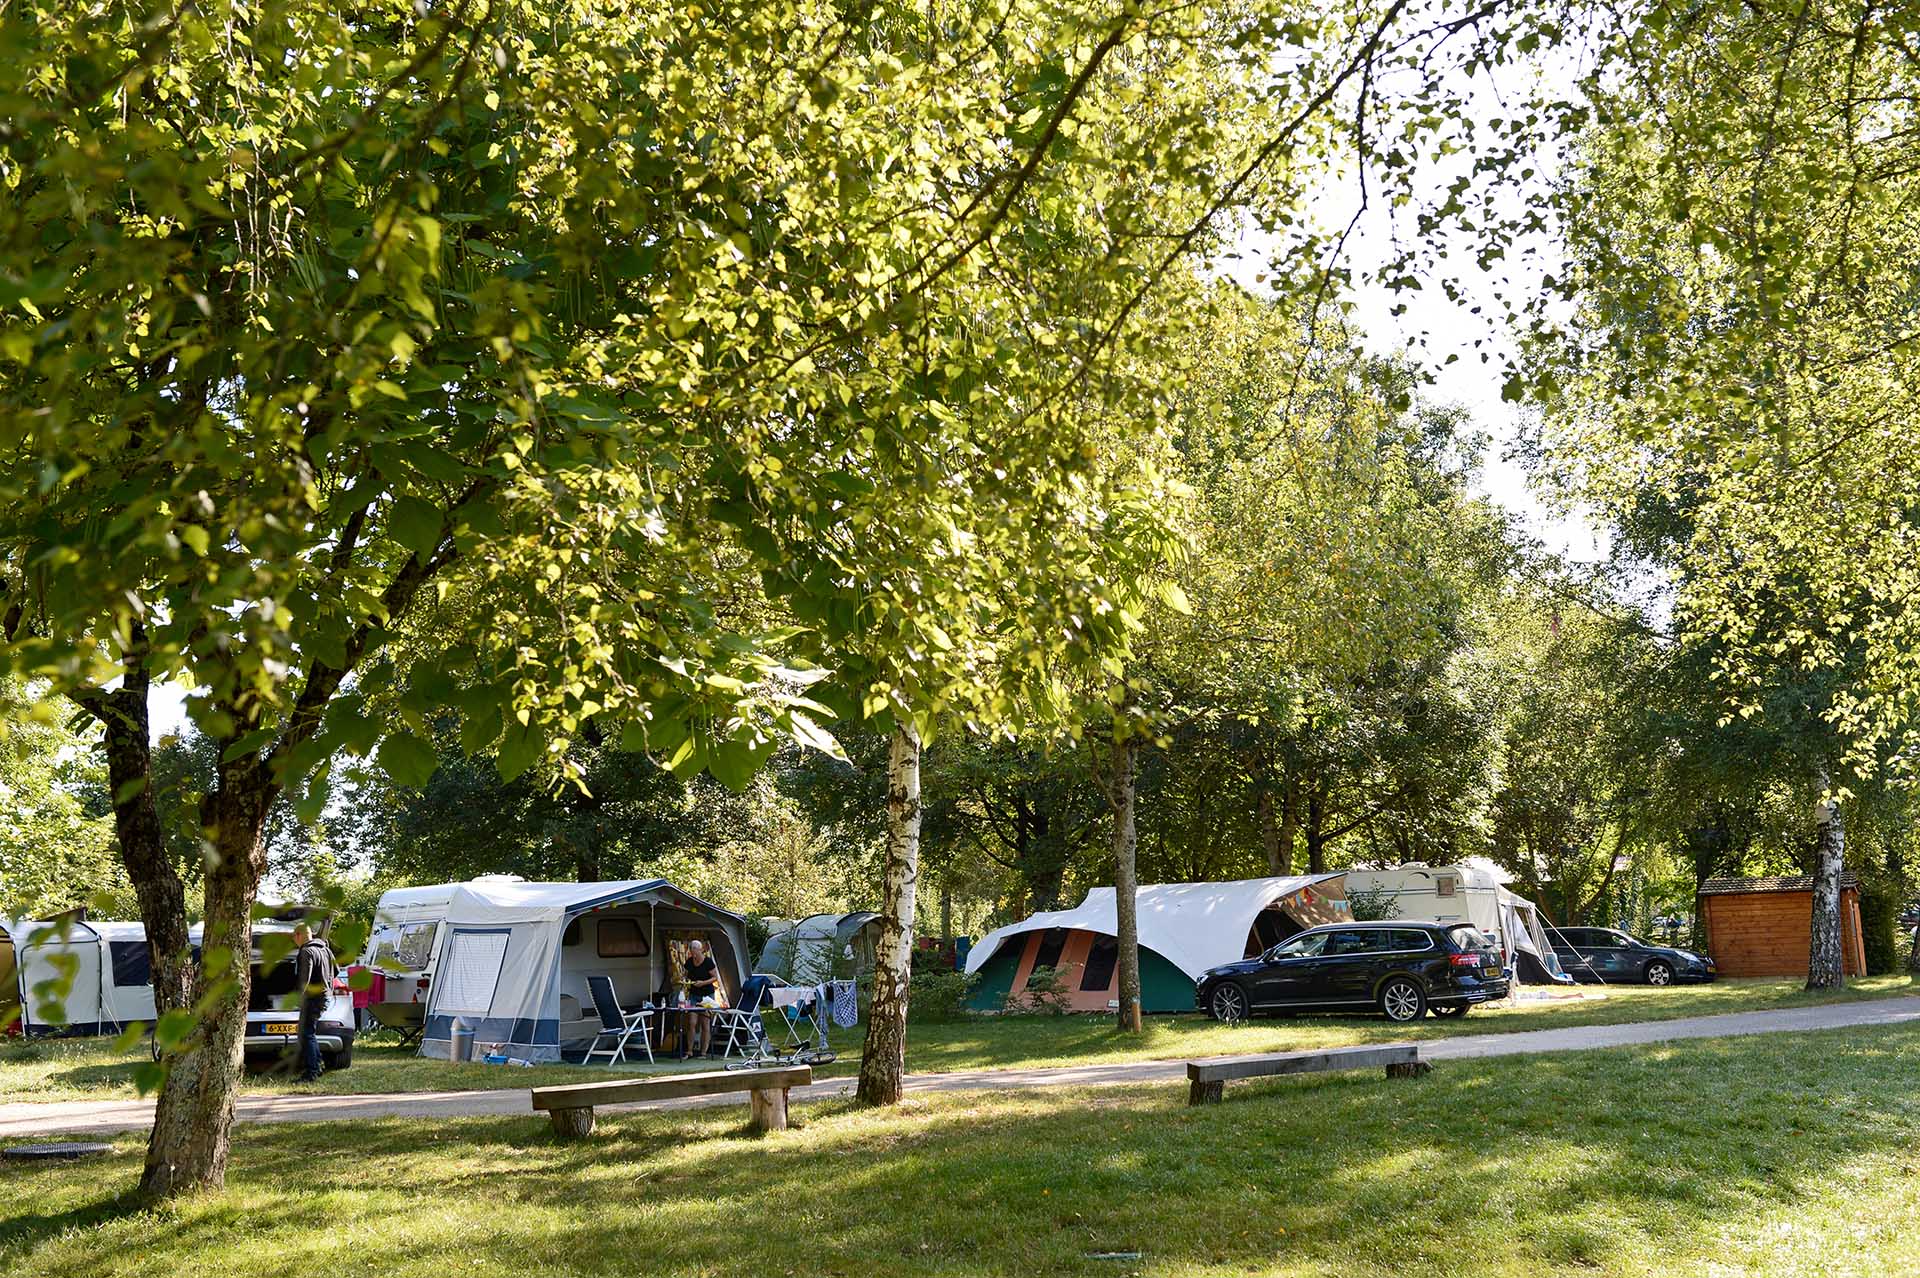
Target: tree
[
  {"x": 56, "y": 844},
  {"x": 1740, "y": 351}
]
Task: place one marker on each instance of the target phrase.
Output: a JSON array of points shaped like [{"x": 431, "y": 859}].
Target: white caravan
[
  {"x": 404, "y": 949},
  {"x": 1469, "y": 894}
]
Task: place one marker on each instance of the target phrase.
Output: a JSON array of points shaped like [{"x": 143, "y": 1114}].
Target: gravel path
[{"x": 23, "y": 1119}]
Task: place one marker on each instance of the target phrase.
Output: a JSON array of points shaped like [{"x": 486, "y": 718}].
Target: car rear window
[{"x": 1470, "y": 938}]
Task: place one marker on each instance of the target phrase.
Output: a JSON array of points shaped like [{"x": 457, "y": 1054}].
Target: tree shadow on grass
[{"x": 19, "y": 1232}]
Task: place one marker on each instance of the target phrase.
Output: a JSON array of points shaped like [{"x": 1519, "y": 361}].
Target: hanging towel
[{"x": 846, "y": 1004}]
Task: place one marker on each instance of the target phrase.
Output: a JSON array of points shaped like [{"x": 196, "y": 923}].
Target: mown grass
[
  {"x": 1776, "y": 1155},
  {"x": 87, "y": 1069}
]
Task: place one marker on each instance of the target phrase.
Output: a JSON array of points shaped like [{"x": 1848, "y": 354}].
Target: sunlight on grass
[
  {"x": 1750, "y": 1156},
  {"x": 83, "y": 1069}
]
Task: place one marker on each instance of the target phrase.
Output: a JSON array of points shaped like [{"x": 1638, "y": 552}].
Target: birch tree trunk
[
  {"x": 1826, "y": 969},
  {"x": 883, "y": 1065},
  {"x": 1125, "y": 882}
]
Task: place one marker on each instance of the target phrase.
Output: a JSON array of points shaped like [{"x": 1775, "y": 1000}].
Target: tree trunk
[
  {"x": 193, "y": 1122},
  {"x": 1269, "y": 828},
  {"x": 946, "y": 910},
  {"x": 136, "y": 823},
  {"x": 1289, "y": 820},
  {"x": 1317, "y": 831},
  {"x": 1825, "y": 968},
  {"x": 883, "y": 1065},
  {"x": 1125, "y": 884}
]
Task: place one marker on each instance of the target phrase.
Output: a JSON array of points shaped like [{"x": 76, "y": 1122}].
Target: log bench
[
  {"x": 570, "y": 1107},
  {"x": 1207, "y": 1080}
]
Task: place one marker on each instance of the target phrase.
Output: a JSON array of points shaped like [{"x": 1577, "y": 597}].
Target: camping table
[{"x": 686, "y": 1013}]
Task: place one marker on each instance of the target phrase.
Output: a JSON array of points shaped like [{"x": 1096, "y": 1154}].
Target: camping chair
[
  {"x": 742, "y": 1023},
  {"x": 617, "y": 1023}
]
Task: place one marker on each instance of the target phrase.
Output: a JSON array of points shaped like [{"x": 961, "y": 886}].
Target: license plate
[{"x": 281, "y": 1027}]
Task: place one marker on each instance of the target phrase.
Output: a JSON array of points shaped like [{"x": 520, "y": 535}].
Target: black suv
[{"x": 1399, "y": 968}]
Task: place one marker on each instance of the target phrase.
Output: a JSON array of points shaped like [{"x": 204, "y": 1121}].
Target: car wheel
[
  {"x": 1458, "y": 1010},
  {"x": 1403, "y": 1000},
  {"x": 1659, "y": 973},
  {"x": 1228, "y": 1003}
]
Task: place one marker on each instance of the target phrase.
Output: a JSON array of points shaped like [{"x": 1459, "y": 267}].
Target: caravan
[
  {"x": 70, "y": 976},
  {"x": 1468, "y": 894},
  {"x": 403, "y": 949}
]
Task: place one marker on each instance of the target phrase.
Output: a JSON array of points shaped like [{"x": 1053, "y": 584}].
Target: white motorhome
[{"x": 1468, "y": 894}]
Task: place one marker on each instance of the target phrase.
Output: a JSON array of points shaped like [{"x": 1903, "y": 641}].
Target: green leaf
[
  {"x": 172, "y": 1028},
  {"x": 735, "y": 761},
  {"x": 416, "y": 524},
  {"x": 408, "y": 759},
  {"x": 519, "y": 749}
]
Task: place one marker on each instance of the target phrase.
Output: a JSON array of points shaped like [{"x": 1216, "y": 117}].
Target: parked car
[
  {"x": 273, "y": 1012},
  {"x": 1398, "y": 968},
  {"x": 1605, "y": 955}
]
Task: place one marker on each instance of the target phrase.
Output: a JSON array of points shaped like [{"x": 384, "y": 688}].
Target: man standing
[{"x": 313, "y": 980}]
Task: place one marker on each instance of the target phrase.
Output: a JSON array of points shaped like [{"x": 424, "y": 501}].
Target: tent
[
  {"x": 105, "y": 968},
  {"x": 1469, "y": 893},
  {"x": 1185, "y": 928},
  {"x": 514, "y": 963},
  {"x": 820, "y": 947}
]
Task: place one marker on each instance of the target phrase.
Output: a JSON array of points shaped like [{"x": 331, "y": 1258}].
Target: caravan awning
[
  {"x": 513, "y": 902},
  {"x": 1194, "y": 926}
]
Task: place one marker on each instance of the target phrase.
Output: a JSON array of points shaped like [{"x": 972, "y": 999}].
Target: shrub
[
  {"x": 1373, "y": 905},
  {"x": 940, "y": 995},
  {"x": 1045, "y": 992},
  {"x": 1879, "y": 908}
]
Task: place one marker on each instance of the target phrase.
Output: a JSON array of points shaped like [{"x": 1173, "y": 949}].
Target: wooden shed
[{"x": 1764, "y": 927}]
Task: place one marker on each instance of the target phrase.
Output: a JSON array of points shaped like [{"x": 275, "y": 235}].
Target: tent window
[
  {"x": 469, "y": 972},
  {"x": 621, "y": 938},
  {"x": 1052, "y": 942},
  {"x": 1101, "y": 959},
  {"x": 132, "y": 964},
  {"x": 571, "y": 937}
]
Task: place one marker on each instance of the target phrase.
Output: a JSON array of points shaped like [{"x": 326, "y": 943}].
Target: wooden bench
[
  {"x": 571, "y": 1107},
  {"x": 1207, "y": 1080}
]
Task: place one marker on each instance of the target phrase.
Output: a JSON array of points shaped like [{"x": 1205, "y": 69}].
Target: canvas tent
[
  {"x": 515, "y": 960},
  {"x": 820, "y": 947},
  {"x": 1473, "y": 894},
  {"x": 105, "y": 968},
  {"x": 1185, "y": 928}
]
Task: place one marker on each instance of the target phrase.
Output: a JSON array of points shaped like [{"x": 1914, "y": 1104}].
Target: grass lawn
[
  {"x": 1775, "y": 1155},
  {"x": 85, "y": 1069}
]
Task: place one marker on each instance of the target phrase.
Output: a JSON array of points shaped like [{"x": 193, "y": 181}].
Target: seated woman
[{"x": 703, "y": 981}]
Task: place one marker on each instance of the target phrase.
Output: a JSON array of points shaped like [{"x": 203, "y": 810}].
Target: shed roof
[{"x": 1771, "y": 883}]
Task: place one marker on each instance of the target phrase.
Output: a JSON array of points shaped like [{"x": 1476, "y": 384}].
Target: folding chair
[
  {"x": 617, "y": 1023},
  {"x": 742, "y": 1023}
]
